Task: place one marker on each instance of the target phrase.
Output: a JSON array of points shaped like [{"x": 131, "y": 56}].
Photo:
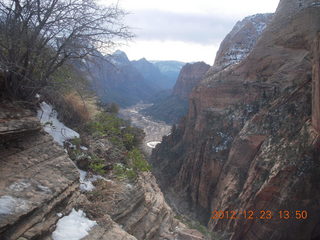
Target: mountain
[
  {"x": 115, "y": 79},
  {"x": 250, "y": 141},
  {"x": 170, "y": 69},
  {"x": 152, "y": 74},
  {"x": 233, "y": 49},
  {"x": 171, "y": 108},
  {"x": 239, "y": 42},
  {"x": 190, "y": 76}
]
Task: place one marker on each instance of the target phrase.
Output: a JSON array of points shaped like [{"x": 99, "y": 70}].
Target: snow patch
[
  {"x": 86, "y": 182},
  {"x": 83, "y": 148},
  {"x": 53, "y": 126},
  {"x": 75, "y": 226},
  {"x": 10, "y": 205},
  {"x": 153, "y": 144}
]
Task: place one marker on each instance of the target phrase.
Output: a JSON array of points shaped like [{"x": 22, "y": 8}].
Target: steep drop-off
[
  {"x": 40, "y": 185},
  {"x": 248, "y": 142}
]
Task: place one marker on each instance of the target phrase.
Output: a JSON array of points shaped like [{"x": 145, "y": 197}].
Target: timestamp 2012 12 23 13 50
[{"x": 260, "y": 214}]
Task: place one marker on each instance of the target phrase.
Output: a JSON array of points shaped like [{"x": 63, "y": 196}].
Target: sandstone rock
[
  {"x": 240, "y": 41},
  {"x": 173, "y": 107},
  {"x": 140, "y": 209},
  {"x": 247, "y": 142},
  {"x": 37, "y": 180},
  {"x": 316, "y": 85},
  {"x": 189, "y": 77},
  {"x": 16, "y": 121}
]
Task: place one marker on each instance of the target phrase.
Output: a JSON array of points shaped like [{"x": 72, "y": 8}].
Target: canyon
[
  {"x": 248, "y": 144},
  {"x": 250, "y": 138}
]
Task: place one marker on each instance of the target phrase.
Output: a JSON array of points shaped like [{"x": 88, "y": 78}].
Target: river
[{"x": 154, "y": 130}]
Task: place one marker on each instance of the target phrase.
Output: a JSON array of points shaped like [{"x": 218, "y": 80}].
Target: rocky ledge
[{"x": 37, "y": 178}]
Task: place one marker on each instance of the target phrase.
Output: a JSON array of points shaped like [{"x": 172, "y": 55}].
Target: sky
[{"x": 184, "y": 30}]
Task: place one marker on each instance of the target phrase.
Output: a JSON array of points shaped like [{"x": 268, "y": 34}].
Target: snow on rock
[
  {"x": 83, "y": 148},
  {"x": 10, "y": 205},
  {"x": 153, "y": 144},
  {"x": 240, "y": 41},
  {"x": 53, "y": 126},
  {"x": 86, "y": 182},
  {"x": 75, "y": 226}
]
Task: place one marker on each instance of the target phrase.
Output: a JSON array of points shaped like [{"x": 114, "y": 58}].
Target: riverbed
[{"x": 153, "y": 129}]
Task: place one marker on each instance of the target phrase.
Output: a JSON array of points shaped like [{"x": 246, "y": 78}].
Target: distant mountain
[
  {"x": 170, "y": 69},
  {"x": 171, "y": 108},
  {"x": 115, "y": 79},
  {"x": 152, "y": 74}
]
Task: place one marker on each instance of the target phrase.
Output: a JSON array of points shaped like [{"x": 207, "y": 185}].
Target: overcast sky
[{"x": 184, "y": 30}]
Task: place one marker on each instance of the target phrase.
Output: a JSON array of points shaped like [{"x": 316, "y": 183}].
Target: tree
[{"x": 37, "y": 37}]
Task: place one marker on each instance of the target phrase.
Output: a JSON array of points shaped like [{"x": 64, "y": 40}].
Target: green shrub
[
  {"x": 76, "y": 141},
  {"x": 97, "y": 164},
  {"x": 137, "y": 161},
  {"x": 98, "y": 167},
  {"x": 122, "y": 172}
]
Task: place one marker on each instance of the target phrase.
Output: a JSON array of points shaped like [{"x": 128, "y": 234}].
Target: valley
[
  {"x": 154, "y": 130},
  {"x": 98, "y": 145}
]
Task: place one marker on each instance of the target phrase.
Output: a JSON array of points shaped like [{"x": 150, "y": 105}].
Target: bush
[
  {"x": 120, "y": 133},
  {"x": 137, "y": 161}
]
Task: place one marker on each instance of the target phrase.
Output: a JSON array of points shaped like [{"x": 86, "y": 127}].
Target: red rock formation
[
  {"x": 316, "y": 86},
  {"x": 247, "y": 142},
  {"x": 189, "y": 77},
  {"x": 239, "y": 42}
]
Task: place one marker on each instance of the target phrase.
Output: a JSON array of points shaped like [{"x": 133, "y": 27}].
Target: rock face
[
  {"x": 239, "y": 42},
  {"x": 173, "y": 107},
  {"x": 40, "y": 184},
  {"x": 37, "y": 179},
  {"x": 189, "y": 77},
  {"x": 316, "y": 85},
  {"x": 248, "y": 142},
  {"x": 139, "y": 208}
]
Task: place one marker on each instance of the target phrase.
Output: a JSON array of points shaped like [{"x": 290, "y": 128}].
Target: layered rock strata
[
  {"x": 37, "y": 178},
  {"x": 248, "y": 142}
]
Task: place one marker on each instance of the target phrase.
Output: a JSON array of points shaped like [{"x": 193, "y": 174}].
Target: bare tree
[{"x": 39, "y": 36}]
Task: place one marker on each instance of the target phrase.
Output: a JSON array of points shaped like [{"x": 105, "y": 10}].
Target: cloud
[
  {"x": 170, "y": 50},
  {"x": 168, "y": 26}
]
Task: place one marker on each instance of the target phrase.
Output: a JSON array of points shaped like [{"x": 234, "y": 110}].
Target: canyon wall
[
  {"x": 247, "y": 142},
  {"x": 174, "y": 106},
  {"x": 190, "y": 76}
]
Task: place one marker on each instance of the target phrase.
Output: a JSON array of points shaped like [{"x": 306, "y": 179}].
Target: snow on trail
[
  {"x": 75, "y": 226},
  {"x": 53, "y": 126}
]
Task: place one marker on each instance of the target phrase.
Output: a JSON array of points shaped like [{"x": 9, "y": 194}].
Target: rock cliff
[
  {"x": 39, "y": 185},
  {"x": 239, "y": 42},
  {"x": 189, "y": 77},
  {"x": 171, "y": 108},
  {"x": 249, "y": 141},
  {"x": 37, "y": 178}
]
